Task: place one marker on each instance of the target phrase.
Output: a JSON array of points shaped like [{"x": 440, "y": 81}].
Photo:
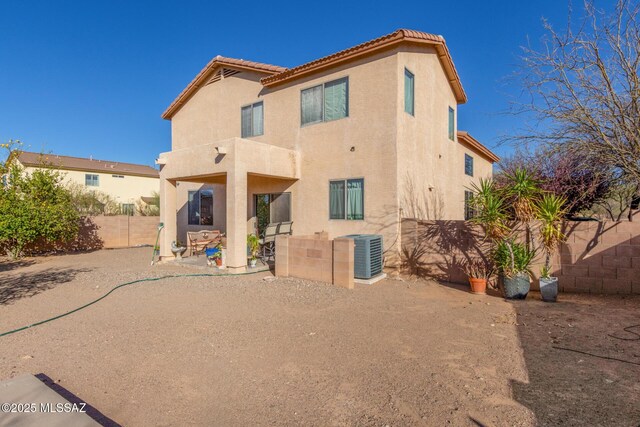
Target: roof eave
[
  {"x": 97, "y": 170},
  {"x": 440, "y": 46},
  {"x": 196, "y": 83},
  {"x": 466, "y": 138}
]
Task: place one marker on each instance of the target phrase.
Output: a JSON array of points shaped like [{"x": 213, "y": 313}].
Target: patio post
[
  {"x": 236, "y": 220},
  {"x": 168, "y": 216}
]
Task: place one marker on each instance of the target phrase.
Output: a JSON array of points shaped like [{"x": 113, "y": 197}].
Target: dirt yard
[{"x": 249, "y": 351}]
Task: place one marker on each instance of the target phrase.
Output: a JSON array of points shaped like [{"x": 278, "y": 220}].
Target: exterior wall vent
[{"x": 367, "y": 255}]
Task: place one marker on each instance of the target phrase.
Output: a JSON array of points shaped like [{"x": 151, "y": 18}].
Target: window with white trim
[{"x": 91, "y": 180}]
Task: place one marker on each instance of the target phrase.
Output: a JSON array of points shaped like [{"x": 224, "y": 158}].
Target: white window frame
[{"x": 94, "y": 178}]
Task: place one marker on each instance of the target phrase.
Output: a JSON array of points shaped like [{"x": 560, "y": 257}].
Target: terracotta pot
[
  {"x": 478, "y": 286},
  {"x": 218, "y": 262}
]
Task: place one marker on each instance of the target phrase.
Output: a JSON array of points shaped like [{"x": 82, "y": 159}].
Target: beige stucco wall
[
  {"x": 431, "y": 182},
  {"x": 378, "y": 141},
  {"x": 124, "y": 190}
]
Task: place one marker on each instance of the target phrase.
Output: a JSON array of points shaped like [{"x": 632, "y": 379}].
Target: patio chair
[
  {"x": 200, "y": 240},
  {"x": 268, "y": 241},
  {"x": 286, "y": 228}
]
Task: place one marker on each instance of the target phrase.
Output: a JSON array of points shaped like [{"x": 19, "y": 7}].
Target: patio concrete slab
[{"x": 38, "y": 405}]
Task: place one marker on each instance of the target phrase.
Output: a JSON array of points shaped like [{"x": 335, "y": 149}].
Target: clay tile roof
[
  {"x": 82, "y": 164},
  {"x": 216, "y": 62},
  {"x": 277, "y": 75},
  {"x": 465, "y": 138},
  {"x": 375, "y": 45}
]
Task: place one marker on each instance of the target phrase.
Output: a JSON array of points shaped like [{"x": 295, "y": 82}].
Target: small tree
[
  {"x": 33, "y": 207},
  {"x": 582, "y": 184},
  {"x": 583, "y": 92}
]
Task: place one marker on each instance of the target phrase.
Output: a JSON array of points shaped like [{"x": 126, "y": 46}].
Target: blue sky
[{"x": 85, "y": 78}]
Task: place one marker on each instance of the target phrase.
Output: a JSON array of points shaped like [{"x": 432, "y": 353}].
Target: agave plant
[
  {"x": 513, "y": 258},
  {"x": 550, "y": 209}
]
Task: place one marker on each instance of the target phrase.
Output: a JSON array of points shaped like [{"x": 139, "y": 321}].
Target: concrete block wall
[
  {"x": 600, "y": 257},
  {"x": 121, "y": 231},
  {"x": 316, "y": 258},
  {"x": 597, "y": 257}
]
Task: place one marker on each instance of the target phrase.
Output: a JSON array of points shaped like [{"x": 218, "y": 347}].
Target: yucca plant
[
  {"x": 550, "y": 210},
  {"x": 522, "y": 190},
  {"x": 490, "y": 210}
]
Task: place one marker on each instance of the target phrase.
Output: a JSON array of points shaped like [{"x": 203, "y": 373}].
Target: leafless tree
[{"x": 582, "y": 88}]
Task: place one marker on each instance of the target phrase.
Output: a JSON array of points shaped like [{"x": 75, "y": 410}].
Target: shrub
[{"x": 33, "y": 207}]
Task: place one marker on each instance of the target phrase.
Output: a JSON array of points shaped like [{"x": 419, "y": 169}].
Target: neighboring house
[
  {"x": 126, "y": 183},
  {"x": 349, "y": 143}
]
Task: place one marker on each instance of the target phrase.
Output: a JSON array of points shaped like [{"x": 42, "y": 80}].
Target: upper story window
[
  {"x": 91, "y": 180},
  {"x": 346, "y": 199},
  {"x": 468, "y": 165},
  {"x": 409, "y": 89},
  {"x": 252, "y": 117},
  {"x": 452, "y": 124},
  {"x": 117, "y": 176},
  {"x": 325, "y": 102}
]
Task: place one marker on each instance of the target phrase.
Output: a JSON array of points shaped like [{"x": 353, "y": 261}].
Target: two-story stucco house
[
  {"x": 126, "y": 183},
  {"x": 349, "y": 143}
]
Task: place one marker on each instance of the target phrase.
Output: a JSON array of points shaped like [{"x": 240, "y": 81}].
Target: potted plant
[
  {"x": 550, "y": 210},
  {"x": 513, "y": 260},
  {"x": 217, "y": 256},
  {"x": 479, "y": 272},
  {"x": 253, "y": 244}
]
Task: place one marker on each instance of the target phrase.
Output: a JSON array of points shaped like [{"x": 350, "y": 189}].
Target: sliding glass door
[{"x": 273, "y": 207}]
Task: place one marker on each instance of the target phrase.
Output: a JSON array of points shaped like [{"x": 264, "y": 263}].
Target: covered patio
[{"x": 244, "y": 168}]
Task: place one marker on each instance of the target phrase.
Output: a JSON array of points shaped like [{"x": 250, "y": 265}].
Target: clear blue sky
[{"x": 88, "y": 78}]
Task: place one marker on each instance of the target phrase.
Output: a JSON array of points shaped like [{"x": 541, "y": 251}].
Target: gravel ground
[{"x": 253, "y": 350}]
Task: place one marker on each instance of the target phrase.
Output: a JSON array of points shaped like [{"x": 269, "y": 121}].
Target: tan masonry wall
[
  {"x": 598, "y": 257},
  {"x": 121, "y": 231},
  {"x": 316, "y": 258}
]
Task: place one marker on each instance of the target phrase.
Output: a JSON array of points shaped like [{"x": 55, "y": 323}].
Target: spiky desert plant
[
  {"x": 513, "y": 258},
  {"x": 490, "y": 209},
  {"x": 550, "y": 210},
  {"x": 523, "y": 190},
  {"x": 478, "y": 269}
]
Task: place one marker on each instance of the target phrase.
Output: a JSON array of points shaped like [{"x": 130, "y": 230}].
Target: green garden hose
[{"x": 150, "y": 279}]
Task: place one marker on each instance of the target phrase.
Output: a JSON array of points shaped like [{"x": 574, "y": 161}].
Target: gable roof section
[
  {"x": 81, "y": 164},
  {"x": 278, "y": 75},
  {"x": 218, "y": 61},
  {"x": 465, "y": 138},
  {"x": 373, "y": 46}
]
